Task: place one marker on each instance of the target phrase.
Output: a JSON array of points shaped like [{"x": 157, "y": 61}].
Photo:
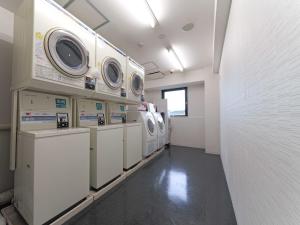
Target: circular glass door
[
  {"x": 112, "y": 73},
  {"x": 150, "y": 125},
  {"x": 137, "y": 84},
  {"x": 66, "y": 53}
]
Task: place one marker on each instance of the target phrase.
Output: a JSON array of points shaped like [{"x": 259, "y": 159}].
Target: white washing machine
[
  {"x": 111, "y": 63},
  {"x": 106, "y": 142},
  {"x": 161, "y": 130},
  {"x": 106, "y": 154},
  {"x": 132, "y": 144},
  {"x": 53, "y": 50},
  {"x": 149, "y": 130},
  {"x": 135, "y": 80},
  {"x": 52, "y": 172}
]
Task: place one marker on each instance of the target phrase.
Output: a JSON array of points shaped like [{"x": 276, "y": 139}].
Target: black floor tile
[{"x": 182, "y": 186}]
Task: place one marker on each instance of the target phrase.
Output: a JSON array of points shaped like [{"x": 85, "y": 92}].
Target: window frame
[{"x": 186, "y": 98}]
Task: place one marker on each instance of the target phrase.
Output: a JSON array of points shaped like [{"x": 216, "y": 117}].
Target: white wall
[
  {"x": 187, "y": 131},
  {"x": 211, "y": 100},
  {"x": 260, "y": 111},
  {"x": 6, "y": 32}
]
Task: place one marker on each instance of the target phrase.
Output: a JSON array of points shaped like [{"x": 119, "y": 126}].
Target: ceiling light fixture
[
  {"x": 150, "y": 14},
  {"x": 175, "y": 59},
  {"x": 141, "y": 10}
]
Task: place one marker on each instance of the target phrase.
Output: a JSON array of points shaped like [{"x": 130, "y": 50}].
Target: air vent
[
  {"x": 150, "y": 67},
  {"x": 155, "y": 75}
]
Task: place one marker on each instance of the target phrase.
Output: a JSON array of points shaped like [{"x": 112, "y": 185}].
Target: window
[{"x": 177, "y": 101}]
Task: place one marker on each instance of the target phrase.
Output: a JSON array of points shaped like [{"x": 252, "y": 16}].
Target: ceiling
[{"x": 118, "y": 23}]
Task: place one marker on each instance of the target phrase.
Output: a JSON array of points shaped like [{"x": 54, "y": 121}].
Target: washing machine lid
[
  {"x": 112, "y": 73},
  {"x": 66, "y": 53},
  {"x": 150, "y": 124},
  {"x": 137, "y": 84}
]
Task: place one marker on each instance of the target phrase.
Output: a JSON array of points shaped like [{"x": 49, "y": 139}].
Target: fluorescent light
[
  {"x": 158, "y": 8},
  {"x": 174, "y": 59},
  {"x": 141, "y": 11},
  {"x": 151, "y": 16}
]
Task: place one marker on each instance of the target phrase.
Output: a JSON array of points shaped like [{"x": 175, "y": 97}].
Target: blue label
[{"x": 60, "y": 103}]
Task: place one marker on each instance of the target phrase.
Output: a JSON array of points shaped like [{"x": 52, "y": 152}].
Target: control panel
[
  {"x": 90, "y": 113},
  {"x": 116, "y": 113},
  {"x": 39, "y": 111}
]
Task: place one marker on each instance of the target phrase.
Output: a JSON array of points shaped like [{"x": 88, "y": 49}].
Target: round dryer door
[
  {"x": 66, "y": 53},
  {"x": 150, "y": 125},
  {"x": 112, "y": 73},
  {"x": 137, "y": 84}
]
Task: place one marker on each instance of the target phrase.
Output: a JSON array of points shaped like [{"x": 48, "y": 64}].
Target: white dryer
[
  {"x": 111, "y": 63},
  {"x": 161, "y": 130},
  {"x": 135, "y": 80},
  {"x": 149, "y": 130},
  {"x": 53, "y": 50}
]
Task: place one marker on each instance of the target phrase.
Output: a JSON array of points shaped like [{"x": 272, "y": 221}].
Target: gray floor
[{"x": 183, "y": 186}]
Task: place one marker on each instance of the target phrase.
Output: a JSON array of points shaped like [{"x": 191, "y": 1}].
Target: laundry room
[{"x": 149, "y": 112}]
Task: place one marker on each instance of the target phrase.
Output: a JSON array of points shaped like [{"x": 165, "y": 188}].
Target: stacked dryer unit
[
  {"x": 52, "y": 172},
  {"x": 111, "y": 64},
  {"x": 106, "y": 142},
  {"x": 135, "y": 80},
  {"x": 53, "y": 51}
]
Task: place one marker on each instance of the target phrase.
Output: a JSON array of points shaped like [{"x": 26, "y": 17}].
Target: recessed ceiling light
[
  {"x": 188, "y": 27},
  {"x": 141, "y": 44}
]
